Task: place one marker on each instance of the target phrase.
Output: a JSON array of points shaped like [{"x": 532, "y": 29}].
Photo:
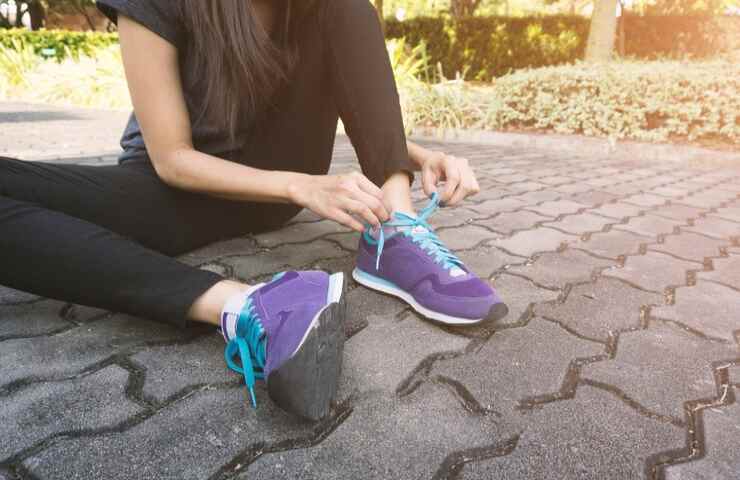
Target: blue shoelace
[
  {"x": 249, "y": 344},
  {"x": 425, "y": 237}
]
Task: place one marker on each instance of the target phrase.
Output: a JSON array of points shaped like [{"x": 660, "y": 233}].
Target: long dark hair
[{"x": 239, "y": 62}]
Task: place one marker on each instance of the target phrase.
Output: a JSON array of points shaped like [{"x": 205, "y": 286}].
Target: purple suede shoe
[
  {"x": 409, "y": 260},
  {"x": 290, "y": 333}
]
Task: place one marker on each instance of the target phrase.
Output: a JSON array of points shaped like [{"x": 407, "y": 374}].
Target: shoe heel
[{"x": 307, "y": 383}]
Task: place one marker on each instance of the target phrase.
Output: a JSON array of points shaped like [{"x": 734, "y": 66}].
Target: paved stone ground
[{"x": 619, "y": 358}]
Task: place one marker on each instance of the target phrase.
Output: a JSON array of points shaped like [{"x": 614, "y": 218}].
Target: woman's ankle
[
  {"x": 397, "y": 194},
  {"x": 207, "y": 308}
]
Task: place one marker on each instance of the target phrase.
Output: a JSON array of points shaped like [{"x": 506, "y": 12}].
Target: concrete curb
[{"x": 584, "y": 145}]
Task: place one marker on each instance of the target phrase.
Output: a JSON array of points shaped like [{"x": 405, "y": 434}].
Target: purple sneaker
[
  {"x": 409, "y": 260},
  {"x": 290, "y": 333}
]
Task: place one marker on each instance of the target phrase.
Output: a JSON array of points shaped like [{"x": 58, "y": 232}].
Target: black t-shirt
[{"x": 163, "y": 17}]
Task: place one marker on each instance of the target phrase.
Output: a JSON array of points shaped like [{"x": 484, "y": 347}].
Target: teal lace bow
[
  {"x": 424, "y": 236},
  {"x": 249, "y": 345}
]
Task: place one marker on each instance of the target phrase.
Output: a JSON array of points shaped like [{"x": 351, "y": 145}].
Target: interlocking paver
[
  {"x": 725, "y": 271},
  {"x": 27, "y": 320},
  {"x": 508, "y": 222},
  {"x": 489, "y": 207},
  {"x": 649, "y": 225},
  {"x": 227, "y": 248},
  {"x": 529, "y": 242},
  {"x": 557, "y": 269},
  {"x": 715, "y": 227},
  {"x": 486, "y": 259},
  {"x": 376, "y": 360},
  {"x": 670, "y": 191},
  {"x": 526, "y": 187},
  {"x": 617, "y": 210},
  {"x": 465, "y": 237},
  {"x": 9, "y": 296},
  {"x": 706, "y": 199},
  {"x": 676, "y": 211},
  {"x": 654, "y": 271},
  {"x": 348, "y": 241},
  {"x": 661, "y": 368},
  {"x": 417, "y": 400},
  {"x": 70, "y": 352},
  {"x": 707, "y": 307},
  {"x": 41, "y": 410},
  {"x": 408, "y": 438},
  {"x": 282, "y": 258},
  {"x": 613, "y": 244},
  {"x": 580, "y": 223},
  {"x": 555, "y": 180},
  {"x": 597, "y": 309},
  {"x": 171, "y": 369},
  {"x": 594, "y": 435},
  {"x": 594, "y": 198},
  {"x": 452, "y": 217},
  {"x": 362, "y": 303},
  {"x": 191, "y": 438},
  {"x": 689, "y": 246},
  {"x": 721, "y": 437},
  {"x": 622, "y": 190},
  {"x": 557, "y": 207},
  {"x": 299, "y": 233},
  {"x": 646, "y": 200},
  {"x": 538, "y": 196},
  {"x": 728, "y": 213},
  {"x": 518, "y": 363}
]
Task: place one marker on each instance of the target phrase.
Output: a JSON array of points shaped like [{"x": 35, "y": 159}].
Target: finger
[
  {"x": 375, "y": 205},
  {"x": 368, "y": 187},
  {"x": 362, "y": 211},
  {"x": 346, "y": 220},
  {"x": 452, "y": 180},
  {"x": 459, "y": 195},
  {"x": 429, "y": 182}
]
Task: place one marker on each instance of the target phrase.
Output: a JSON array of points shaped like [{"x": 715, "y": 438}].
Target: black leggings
[{"x": 104, "y": 236}]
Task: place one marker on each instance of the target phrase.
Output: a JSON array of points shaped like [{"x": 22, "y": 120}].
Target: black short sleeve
[{"x": 160, "y": 16}]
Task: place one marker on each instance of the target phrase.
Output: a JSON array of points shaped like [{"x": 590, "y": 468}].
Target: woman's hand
[
  {"x": 460, "y": 181},
  {"x": 342, "y": 198}
]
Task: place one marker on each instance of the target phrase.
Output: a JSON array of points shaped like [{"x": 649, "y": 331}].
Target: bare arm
[{"x": 156, "y": 91}]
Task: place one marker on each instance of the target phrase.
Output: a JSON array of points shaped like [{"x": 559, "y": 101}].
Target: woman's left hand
[{"x": 460, "y": 181}]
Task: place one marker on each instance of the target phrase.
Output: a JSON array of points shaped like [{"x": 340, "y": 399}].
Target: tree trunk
[
  {"x": 82, "y": 9},
  {"x": 463, "y": 8},
  {"x": 37, "y": 13},
  {"x": 601, "y": 34},
  {"x": 379, "y": 8},
  {"x": 620, "y": 29}
]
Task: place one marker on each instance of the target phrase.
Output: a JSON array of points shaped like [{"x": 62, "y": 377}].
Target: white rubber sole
[{"x": 384, "y": 286}]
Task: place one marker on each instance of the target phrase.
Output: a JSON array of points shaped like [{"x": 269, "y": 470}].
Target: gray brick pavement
[{"x": 620, "y": 357}]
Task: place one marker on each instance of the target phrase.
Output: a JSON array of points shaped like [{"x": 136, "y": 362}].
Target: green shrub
[
  {"x": 483, "y": 48},
  {"x": 647, "y": 101},
  {"x": 58, "y": 44}
]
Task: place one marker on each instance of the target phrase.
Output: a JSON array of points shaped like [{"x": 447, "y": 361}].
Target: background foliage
[
  {"x": 486, "y": 47},
  {"x": 479, "y": 48},
  {"x": 64, "y": 43}
]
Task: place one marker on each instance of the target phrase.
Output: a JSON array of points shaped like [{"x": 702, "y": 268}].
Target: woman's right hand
[{"x": 346, "y": 199}]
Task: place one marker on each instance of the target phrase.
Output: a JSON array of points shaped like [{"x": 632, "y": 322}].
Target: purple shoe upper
[
  {"x": 286, "y": 307},
  {"x": 414, "y": 260},
  {"x": 273, "y": 323}
]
